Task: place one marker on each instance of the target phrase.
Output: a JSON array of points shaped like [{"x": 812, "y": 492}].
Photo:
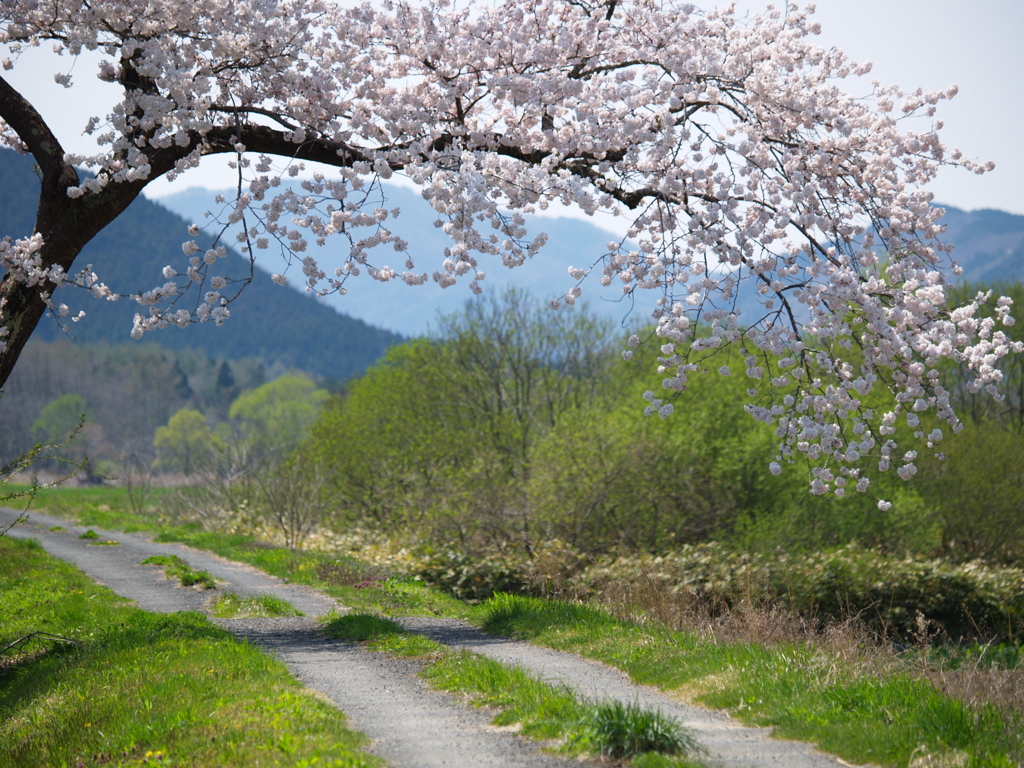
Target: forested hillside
[{"x": 273, "y": 324}]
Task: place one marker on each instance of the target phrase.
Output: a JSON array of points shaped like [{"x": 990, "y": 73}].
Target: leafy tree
[
  {"x": 275, "y": 418},
  {"x": 603, "y": 478},
  {"x": 440, "y": 432},
  {"x": 186, "y": 443},
  {"x": 728, "y": 140},
  {"x": 60, "y": 418},
  {"x": 67, "y": 422},
  {"x": 21, "y": 464}
]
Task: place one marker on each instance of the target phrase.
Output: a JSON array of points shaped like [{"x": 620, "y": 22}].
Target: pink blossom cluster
[{"x": 728, "y": 143}]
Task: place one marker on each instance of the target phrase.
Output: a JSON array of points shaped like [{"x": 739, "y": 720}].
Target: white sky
[{"x": 928, "y": 43}]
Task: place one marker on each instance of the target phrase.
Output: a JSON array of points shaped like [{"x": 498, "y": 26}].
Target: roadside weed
[
  {"x": 176, "y": 568},
  {"x": 629, "y": 730},
  {"x": 231, "y": 606}
]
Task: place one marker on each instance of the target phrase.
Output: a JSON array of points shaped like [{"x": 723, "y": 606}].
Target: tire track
[{"x": 411, "y": 725}]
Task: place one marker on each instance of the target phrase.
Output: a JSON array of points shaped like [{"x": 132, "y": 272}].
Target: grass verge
[
  {"x": 542, "y": 711},
  {"x": 804, "y": 693},
  {"x": 363, "y": 587},
  {"x": 141, "y": 688},
  {"x": 801, "y": 688}
]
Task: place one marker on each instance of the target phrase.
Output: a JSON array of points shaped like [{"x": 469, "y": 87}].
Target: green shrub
[
  {"x": 899, "y": 598},
  {"x": 629, "y": 730}
]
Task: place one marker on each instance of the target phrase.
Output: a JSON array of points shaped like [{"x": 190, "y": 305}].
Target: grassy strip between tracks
[
  {"x": 803, "y": 690},
  {"x": 111, "y": 684},
  {"x": 541, "y": 711}
]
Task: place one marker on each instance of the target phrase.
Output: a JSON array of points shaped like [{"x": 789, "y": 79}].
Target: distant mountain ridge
[
  {"x": 989, "y": 245},
  {"x": 267, "y": 322},
  {"x": 411, "y": 310},
  {"x": 284, "y": 326}
]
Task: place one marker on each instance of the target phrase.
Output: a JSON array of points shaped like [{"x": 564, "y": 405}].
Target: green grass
[
  {"x": 361, "y": 586},
  {"x": 231, "y": 606},
  {"x": 802, "y": 692},
  {"x": 144, "y": 688},
  {"x": 543, "y": 711},
  {"x": 176, "y": 568},
  {"x": 100, "y": 505}
]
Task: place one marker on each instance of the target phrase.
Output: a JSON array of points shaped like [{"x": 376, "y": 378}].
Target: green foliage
[
  {"x": 439, "y": 434},
  {"x": 607, "y": 476},
  {"x": 186, "y": 443},
  {"x": 976, "y": 495},
  {"x": 629, "y": 730},
  {"x": 898, "y": 597},
  {"x": 490, "y": 437},
  {"x": 276, "y": 416},
  {"x": 60, "y": 418}
]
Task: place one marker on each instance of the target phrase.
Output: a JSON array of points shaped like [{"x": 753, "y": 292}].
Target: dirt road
[{"x": 411, "y": 725}]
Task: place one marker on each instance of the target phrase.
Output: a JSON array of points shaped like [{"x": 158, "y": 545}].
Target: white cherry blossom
[{"x": 728, "y": 143}]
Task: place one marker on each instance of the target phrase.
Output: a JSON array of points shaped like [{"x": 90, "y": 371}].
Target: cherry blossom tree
[{"x": 729, "y": 144}]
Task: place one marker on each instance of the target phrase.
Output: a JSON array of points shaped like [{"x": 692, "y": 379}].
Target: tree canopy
[{"x": 728, "y": 143}]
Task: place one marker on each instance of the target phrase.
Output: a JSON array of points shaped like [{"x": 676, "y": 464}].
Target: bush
[
  {"x": 891, "y": 595},
  {"x": 898, "y": 598}
]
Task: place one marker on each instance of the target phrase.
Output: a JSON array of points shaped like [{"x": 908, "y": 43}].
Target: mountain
[
  {"x": 321, "y": 335},
  {"x": 989, "y": 244},
  {"x": 268, "y": 322}
]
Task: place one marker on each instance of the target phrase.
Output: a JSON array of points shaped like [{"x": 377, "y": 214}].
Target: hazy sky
[{"x": 928, "y": 43}]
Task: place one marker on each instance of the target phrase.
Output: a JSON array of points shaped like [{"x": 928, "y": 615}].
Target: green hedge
[{"x": 892, "y": 595}]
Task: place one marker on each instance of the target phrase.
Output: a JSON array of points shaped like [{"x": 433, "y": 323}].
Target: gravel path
[{"x": 411, "y": 725}]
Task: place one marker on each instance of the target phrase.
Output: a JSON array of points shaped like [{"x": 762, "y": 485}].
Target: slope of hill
[
  {"x": 267, "y": 322},
  {"x": 989, "y": 244}
]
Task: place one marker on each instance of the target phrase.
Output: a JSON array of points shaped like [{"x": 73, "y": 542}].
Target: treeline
[
  {"x": 514, "y": 426},
  {"x": 125, "y": 393}
]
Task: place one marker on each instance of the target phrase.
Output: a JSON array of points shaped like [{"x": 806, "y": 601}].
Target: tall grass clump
[{"x": 630, "y": 730}]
